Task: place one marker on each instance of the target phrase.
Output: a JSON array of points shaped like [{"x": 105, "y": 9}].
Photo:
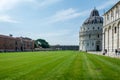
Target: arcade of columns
[{"x": 111, "y": 29}]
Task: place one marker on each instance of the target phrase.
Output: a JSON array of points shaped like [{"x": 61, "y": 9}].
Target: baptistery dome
[
  {"x": 94, "y": 18},
  {"x": 90, "y": 35}
]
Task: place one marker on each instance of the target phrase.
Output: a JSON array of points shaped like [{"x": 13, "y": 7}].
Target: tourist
[{"x": 116, "y": 52}]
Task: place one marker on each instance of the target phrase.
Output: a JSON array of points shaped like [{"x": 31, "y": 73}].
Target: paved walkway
[{"x": 108, "y": 54}]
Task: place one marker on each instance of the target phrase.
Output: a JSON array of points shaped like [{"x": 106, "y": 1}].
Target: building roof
[
  {"x": 93, "y": 18},
  {"x": 10, "y": 37},
  {"x": 6, "y": 36},
  {"x": 112, "y": 7}
]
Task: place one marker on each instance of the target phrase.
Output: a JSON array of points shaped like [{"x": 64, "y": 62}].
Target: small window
[
  {"x": 98, "y": 28},
  {"x": 88, "y": 28},
  {"x": 16, "y": 43},
  {"x": 89, "y": 36},
  {"x": 87, "y": 44},
  {"x": 92, "y": 44},
  {"x": 112, "y": 14},
  {"x": 108, "y": 17},
  {"x": 117, "y": 10},
  {"x": 98, "y": 35},
  {"x": 93, "y": 28},
  {"x": 115, "y": 29},
  {"x": 82, "y": 42},
  {"x": 84, "y": 28}
]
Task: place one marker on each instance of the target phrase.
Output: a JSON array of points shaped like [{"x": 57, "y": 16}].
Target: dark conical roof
[
  {"x": 94, "y": 18},
  {"x": 94, "y": 13}
]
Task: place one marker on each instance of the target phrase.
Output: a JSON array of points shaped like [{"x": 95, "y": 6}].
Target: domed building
[{"x": 90, "y": 34}]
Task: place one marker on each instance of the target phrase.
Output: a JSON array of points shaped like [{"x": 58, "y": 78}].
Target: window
[
  {"x": 93, "y": 28},
  {"x": 88, "y": 28},
  {"x": 84, "y": 28},
  {"x": 92, "y": 44},
  {"x": 117, "y": 10},
  {"x": 112, "y": 14},
  {"x": 108, "y": 17},
  {"x": 16, "y": 43},
  {"x": 87, "y": 44},
  {"x": 115, "y": 29},
  {"x": 89, "y": 36},
  {"x": 98, "y": 35},
  {"x": 98, "y": 28}
]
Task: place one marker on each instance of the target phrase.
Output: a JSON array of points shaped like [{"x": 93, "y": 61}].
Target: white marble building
[
  {"x": 111, "y": 29},
  {"x": 90, "y": 34}
]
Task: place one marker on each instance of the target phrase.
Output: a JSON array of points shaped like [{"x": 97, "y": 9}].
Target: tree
[{"x": 41, "y": 43}]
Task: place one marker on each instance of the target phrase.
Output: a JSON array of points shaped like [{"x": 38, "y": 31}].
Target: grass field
[{"x": 58, "y": 65}]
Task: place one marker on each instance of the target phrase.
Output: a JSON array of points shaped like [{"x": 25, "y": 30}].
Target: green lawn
[{"x": 58, "y": 65}]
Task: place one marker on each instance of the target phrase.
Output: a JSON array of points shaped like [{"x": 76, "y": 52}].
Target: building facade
[
  {"x": 90, "y": 34},
  {"x": 9, "y": 43},
  {"x": 111, "y": 29}
]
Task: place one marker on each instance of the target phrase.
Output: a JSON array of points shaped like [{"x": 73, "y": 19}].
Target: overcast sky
[{"x": 57, "y": 21}]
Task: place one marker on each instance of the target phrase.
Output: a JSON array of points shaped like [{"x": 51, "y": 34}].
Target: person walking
[{"x": 116, "y": 52}]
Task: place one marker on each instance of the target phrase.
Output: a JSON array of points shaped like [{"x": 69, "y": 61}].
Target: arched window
[
  {"x": 112, "y": 13},
  {"x": 98, "y": 28},
  {"x": 15, "y": 42},
  {"x": 87, "y": 44},
  {"x": 98, "y": 35},
  {"x": 89, "y": 36},
  {"x": 84, "y": 28},
  {"x": 83, "y": 42},
  {"x": 117, "y": 9},
  {"x": 107, "y": 16},
  {"x": 92, "y": 44},
  {"x": 115, "y": 29}
]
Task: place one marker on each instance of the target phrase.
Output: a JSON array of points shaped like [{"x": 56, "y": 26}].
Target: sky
[{"x": 56, "y": 21}]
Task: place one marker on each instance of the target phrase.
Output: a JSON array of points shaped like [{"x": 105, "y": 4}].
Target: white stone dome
[{"x": 93, "y": 18}]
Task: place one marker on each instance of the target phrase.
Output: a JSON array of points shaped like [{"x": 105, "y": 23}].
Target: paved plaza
[{"x": 108, "y": 54}]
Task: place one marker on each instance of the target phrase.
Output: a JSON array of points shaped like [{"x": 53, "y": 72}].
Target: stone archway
[
  {"x": 118, "y": 46},
  {"x": 105, "y": 38}
]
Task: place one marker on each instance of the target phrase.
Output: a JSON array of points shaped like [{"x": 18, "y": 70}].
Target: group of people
[{"x": 117, "y": 52}]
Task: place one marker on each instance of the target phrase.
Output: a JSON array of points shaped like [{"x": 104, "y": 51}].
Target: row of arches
[{"x": 111, "y": 37}]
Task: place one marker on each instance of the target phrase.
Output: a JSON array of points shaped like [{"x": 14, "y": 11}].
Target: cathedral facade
[
  {"x": 90, "y": 35},
  {"x": 111, "y": 29}
]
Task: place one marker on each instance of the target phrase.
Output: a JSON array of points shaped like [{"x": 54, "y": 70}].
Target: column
[
  {"x": 118, "y": 37},
  {"x": 103, "y": 40},
  {"x": 108, "y": 40},
  {"x": 112, "y": 38}
]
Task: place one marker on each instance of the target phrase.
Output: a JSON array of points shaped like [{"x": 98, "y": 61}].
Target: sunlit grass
[{"x": 58, "y": 65}]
